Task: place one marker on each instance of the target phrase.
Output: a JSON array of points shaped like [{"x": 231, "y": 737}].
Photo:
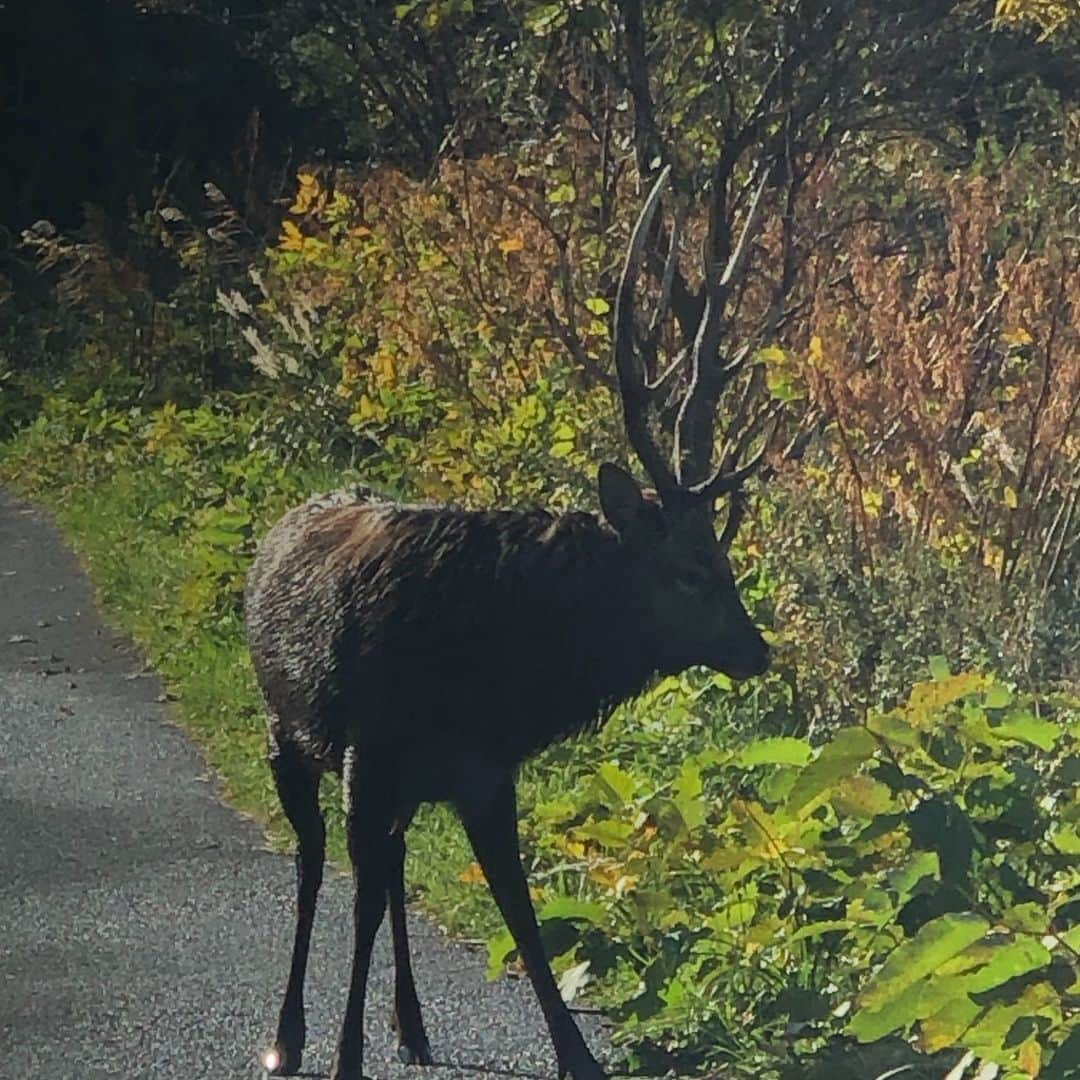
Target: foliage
[
  {"x": 755, "y": 878},
  {"x": 691, "y": 871},
  {"x": 1051, "y": 16},
  {"x": 914, "y": 875}
]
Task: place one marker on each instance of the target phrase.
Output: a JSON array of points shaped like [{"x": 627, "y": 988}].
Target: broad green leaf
[
  {"x": 617, "y": 785},
  {"x": 1027, "y": 728},
  {"x": 737, "y": 913},
  {"x": 1027, "y": 918},
  {"x": 779, "y": 750},
  {"x": 862, "y": 797},
  {"x": 1003, "y": 959},
  {"x": 686, "y": 796},
  {"x": 569, "y": 907},
  {"x": 937, "y": 941},
  {"x": 597, "y": 305},
  {"x": 928, "y": 699},
  {"x": 1067, "y": 839},
  {"x": 997, "y": 697},
  {"x": 838, "y": 759},
  {"x": 919, "y": 866},
  {"x": 893, "y": 728},
  {"x": 987, "y": 1036},
  {"x": 945, "y": 1027},
  {"x": 608, "y": 832},
  {"x": 939, "y": 668},
  {"x": 816, "y": 929}
]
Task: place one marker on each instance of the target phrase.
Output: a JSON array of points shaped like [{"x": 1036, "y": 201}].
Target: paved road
[{"x": 143, "y": 930}]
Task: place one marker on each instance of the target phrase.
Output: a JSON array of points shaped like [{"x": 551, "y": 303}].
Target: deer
[{"x": 423, "y": 653}]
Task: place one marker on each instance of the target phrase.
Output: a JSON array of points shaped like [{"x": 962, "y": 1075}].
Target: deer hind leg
[
  {"x": 413, "y": 1046},
  {"x": 298, "y": 789},
  {"x": 368, "y": 818},
  {"x": 494, "y": 837}
]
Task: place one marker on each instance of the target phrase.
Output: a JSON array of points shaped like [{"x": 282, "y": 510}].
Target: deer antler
[
  {"x": 639, "y": 382},
  {"x": 634, "y": 386}
]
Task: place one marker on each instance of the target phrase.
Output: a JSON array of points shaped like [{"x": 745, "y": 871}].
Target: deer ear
[{"x": 620, "y": 497}]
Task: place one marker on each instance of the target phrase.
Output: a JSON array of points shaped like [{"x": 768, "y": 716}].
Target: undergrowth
[{"x": 739, "y": 896}]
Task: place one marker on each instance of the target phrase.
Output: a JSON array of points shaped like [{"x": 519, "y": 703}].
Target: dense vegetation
[{"x": 865, "y": 860}]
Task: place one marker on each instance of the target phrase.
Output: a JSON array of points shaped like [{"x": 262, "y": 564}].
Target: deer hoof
[
  {"x": 588, "y": 1069},
  {"x": 415, "y": 1052},
  {"x": 280, "y": 1061}
]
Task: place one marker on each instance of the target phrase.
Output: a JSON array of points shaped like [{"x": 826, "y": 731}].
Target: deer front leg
[{"x": 493, "y": 834}]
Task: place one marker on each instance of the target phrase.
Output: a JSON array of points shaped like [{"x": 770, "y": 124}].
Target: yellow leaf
[
  {"x": 359, "y": 231},
  {"x": 472, "y": 875},
  {"x": 1011, "y": 500},
  {"x": 306, "y": 193},
  {"x": 511, "y": 243},
  {"x": 817, "y": 352},
  {"x": 291, "y": 239},
  {"x": 1016, "y": 337},
  {"x": 1029, "y": 1057}
]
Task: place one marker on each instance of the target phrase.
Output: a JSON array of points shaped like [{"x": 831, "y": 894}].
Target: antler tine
[
  {"x": 725, "y": 483},
  {"x": 667, "y": 279},
  {"x": 633, "y": 378},
  {"x": 706, "y": 344},
  {"x": 736, "y": 512}
]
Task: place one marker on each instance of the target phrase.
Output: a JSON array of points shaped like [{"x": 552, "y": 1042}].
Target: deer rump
[{"x": 437, "y": 638}]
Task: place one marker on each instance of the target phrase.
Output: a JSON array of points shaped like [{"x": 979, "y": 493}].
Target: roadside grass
[{"x": 137, "y": 571}]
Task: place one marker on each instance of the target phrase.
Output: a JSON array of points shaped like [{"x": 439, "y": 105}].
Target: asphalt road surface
[{"x": 144, "y": 930}]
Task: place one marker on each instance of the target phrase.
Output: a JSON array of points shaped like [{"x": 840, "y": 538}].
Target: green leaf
[
  {"x": 564, "y": 193},
  {"x": 939, "y": 667},
  {"x": 919, "y": 866},
  {"x": 838, "y": 759},
  {"x": 1067, "y": 839},
  {"x": 771, "y": 354},
  {"x": 817, "y": 929},
  {"x": 1025, "y": 727},
  {"x": 997, "y": 697},
  {"x": 862, "y": 798},
  {"x": 687, "y": 796},
  {"x": 892, "y": 727},
  {"x": 570, "y": 908},
  {"x": 999, "y": 959},
  {"x": 608, "y": 832},
  {"x": 939, "y": 940},
  {"x": 614, "y": 786},
  {"x": 779, "y": 750},
  {"x": 598, "y": 305},
  {"x": 498, "y": 949}
]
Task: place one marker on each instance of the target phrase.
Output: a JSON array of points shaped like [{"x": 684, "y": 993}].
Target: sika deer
[{"x": 425, "y": 652}]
